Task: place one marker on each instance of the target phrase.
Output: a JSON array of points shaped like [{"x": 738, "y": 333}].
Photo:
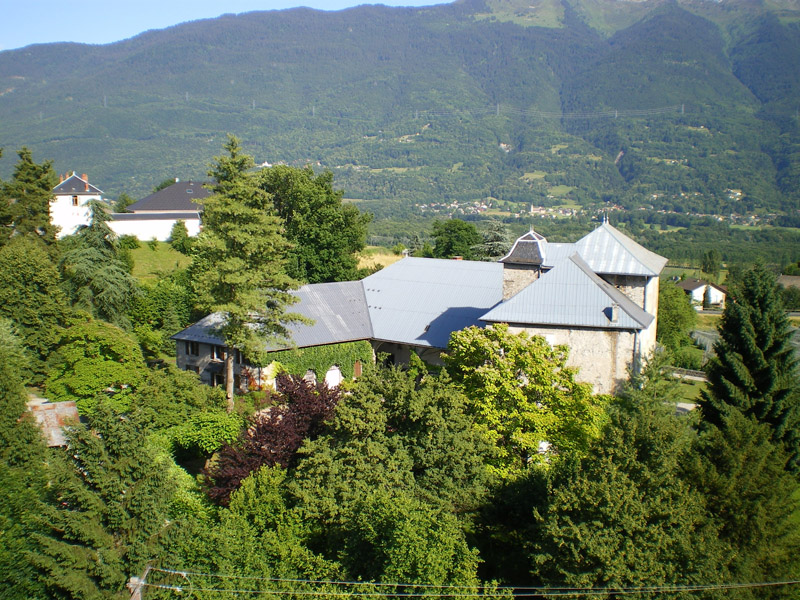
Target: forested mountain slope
[{"x": 669, "y": 104}]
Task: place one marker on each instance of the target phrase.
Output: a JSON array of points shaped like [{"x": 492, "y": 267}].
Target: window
[
  {"x": 74, "y": 201},
  {"x": 193, "y": 369},
  {"x": 192, "y": 348},
  {"x": 217, "y": 379},
  {"x": 218, "y": 353}
]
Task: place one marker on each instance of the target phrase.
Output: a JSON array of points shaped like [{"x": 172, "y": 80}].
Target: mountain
[{"x": 687, "y": 106}]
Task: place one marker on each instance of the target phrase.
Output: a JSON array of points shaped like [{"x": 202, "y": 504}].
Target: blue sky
[{"x": 25, "y": 22}]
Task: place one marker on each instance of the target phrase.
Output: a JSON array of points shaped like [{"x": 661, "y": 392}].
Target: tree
[
  {"x": 110, "y": 496},
  {"x": 26, "y": 199},
  {"x": 22, "y": 474},
  {"x": 123, "y": 202},
  {"x": 95, "y": 360},
  {"x": 624, "y": 516},
  {"x": 326, "y": 233},
  {"x": 179, "y": 238},
  {"x": 750, "y": 497},
  {"x": 754, "y": 368},
  {"x": 274, "y": 435},
  {"x": 238, "y": 263},
  {"x": 495, "y": 242},
  {"x": 389, "y": 486},
  {"x": 31, "y": 298},
  {"x": 165, "y": 184},
  {"x": 96, "y": 276},
  {"x": 455, "y": 237},
  {"x": 712, "y": 263},
  {"x": 522, "y": 395},
  {"x": 676, "y": 316}
]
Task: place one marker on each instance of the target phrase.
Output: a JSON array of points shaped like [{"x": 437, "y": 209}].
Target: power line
[{"x": 457, "y": 591}]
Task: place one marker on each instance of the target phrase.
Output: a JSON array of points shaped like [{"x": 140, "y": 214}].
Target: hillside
[{"x": 669, "y": 104}]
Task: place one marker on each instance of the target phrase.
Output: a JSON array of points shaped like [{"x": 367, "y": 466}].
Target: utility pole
[{"x": 136, "y": 585}]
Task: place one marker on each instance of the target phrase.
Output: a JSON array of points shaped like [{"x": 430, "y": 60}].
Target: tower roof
[{"x": 529, "y": 249}]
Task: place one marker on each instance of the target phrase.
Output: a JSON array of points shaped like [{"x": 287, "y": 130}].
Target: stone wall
[{"x": 602, "y": 356}]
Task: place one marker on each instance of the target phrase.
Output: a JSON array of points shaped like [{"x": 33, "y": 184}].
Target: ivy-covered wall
[{"x": 321, "y": 358}]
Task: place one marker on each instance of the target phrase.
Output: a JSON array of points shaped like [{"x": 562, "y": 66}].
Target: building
[
  {"x": 150, "y": 218},
  {"x": 69, "y": 207},
  {"x": 697, "y": 289},
  {"x": 599, "y": 296},
  {"x": 154, "y": 216}
]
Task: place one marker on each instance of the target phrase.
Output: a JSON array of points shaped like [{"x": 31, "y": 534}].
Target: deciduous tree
[
  {"x": 325, "y": 232},
  {"x": 455, "y": 237},
  {"x": 522, "y": 394}
]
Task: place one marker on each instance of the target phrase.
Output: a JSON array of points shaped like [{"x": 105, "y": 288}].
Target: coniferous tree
[
  {"x": 110, "y": 496},
  {"x": 624, "y": 515},
  {"x": 238, "y": 262},
  {"x": 96, "y": 276},
  {"x": 752, "y": 500},
  {"x": 22, "y": 475},
  {"x": 26, "y": 199},
  {"x": 754, "y": 369}
]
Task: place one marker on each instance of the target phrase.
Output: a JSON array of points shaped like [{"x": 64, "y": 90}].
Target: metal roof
[
  {"x": 571, "y": 295},
  {"x": 75, "y": 186},
  {"x": 180, "y": 196},
  {"x": 607, "y": 250},
  {"x": 421, "y": 301},
  {"x": 338, "y": 311}
]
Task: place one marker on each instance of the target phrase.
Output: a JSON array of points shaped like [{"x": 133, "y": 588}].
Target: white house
[
  {"x": 697, "y": 289},
  {"x": 599, "y": 296},
  {"x": 68, "y": 208}
]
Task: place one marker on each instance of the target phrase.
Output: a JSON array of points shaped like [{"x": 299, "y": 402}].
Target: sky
[{"x": 25, "y": 22}]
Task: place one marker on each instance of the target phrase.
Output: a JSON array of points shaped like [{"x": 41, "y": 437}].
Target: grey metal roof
[
  {"x": 338, "y": 310},
  {"x": 529, "y": 249},
  {"x": 183, "y": 216},
  {"x": 421, "y": 301},
  {"x": 570, "y": 295},
  {"x": 180, "y": 196},
  {"x": 75, "y": 186},
  {"x": 607, "y": 250}
]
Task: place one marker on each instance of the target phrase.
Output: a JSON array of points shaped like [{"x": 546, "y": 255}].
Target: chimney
[
  {"x": 85, "y": 178},
  {"x": 458, "y": 258},
  {"x": 60, "y": 178}
]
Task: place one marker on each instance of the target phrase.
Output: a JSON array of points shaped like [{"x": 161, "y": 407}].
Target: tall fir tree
[
  {"x": 754, "y": 369},
  {"x": 239, "y": 261}
]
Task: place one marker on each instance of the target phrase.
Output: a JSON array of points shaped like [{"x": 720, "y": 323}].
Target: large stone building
[{"x": 598, "y": 295}]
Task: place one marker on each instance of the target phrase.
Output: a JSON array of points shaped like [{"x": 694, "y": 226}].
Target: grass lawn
[
  {"x": 690, "y": 389},
  {"x": 149, "y": 262},
  {"x": 707, "y": 322}
]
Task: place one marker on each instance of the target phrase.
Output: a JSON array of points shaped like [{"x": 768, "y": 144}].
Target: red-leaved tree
[{"x": 273, "y": 436}]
